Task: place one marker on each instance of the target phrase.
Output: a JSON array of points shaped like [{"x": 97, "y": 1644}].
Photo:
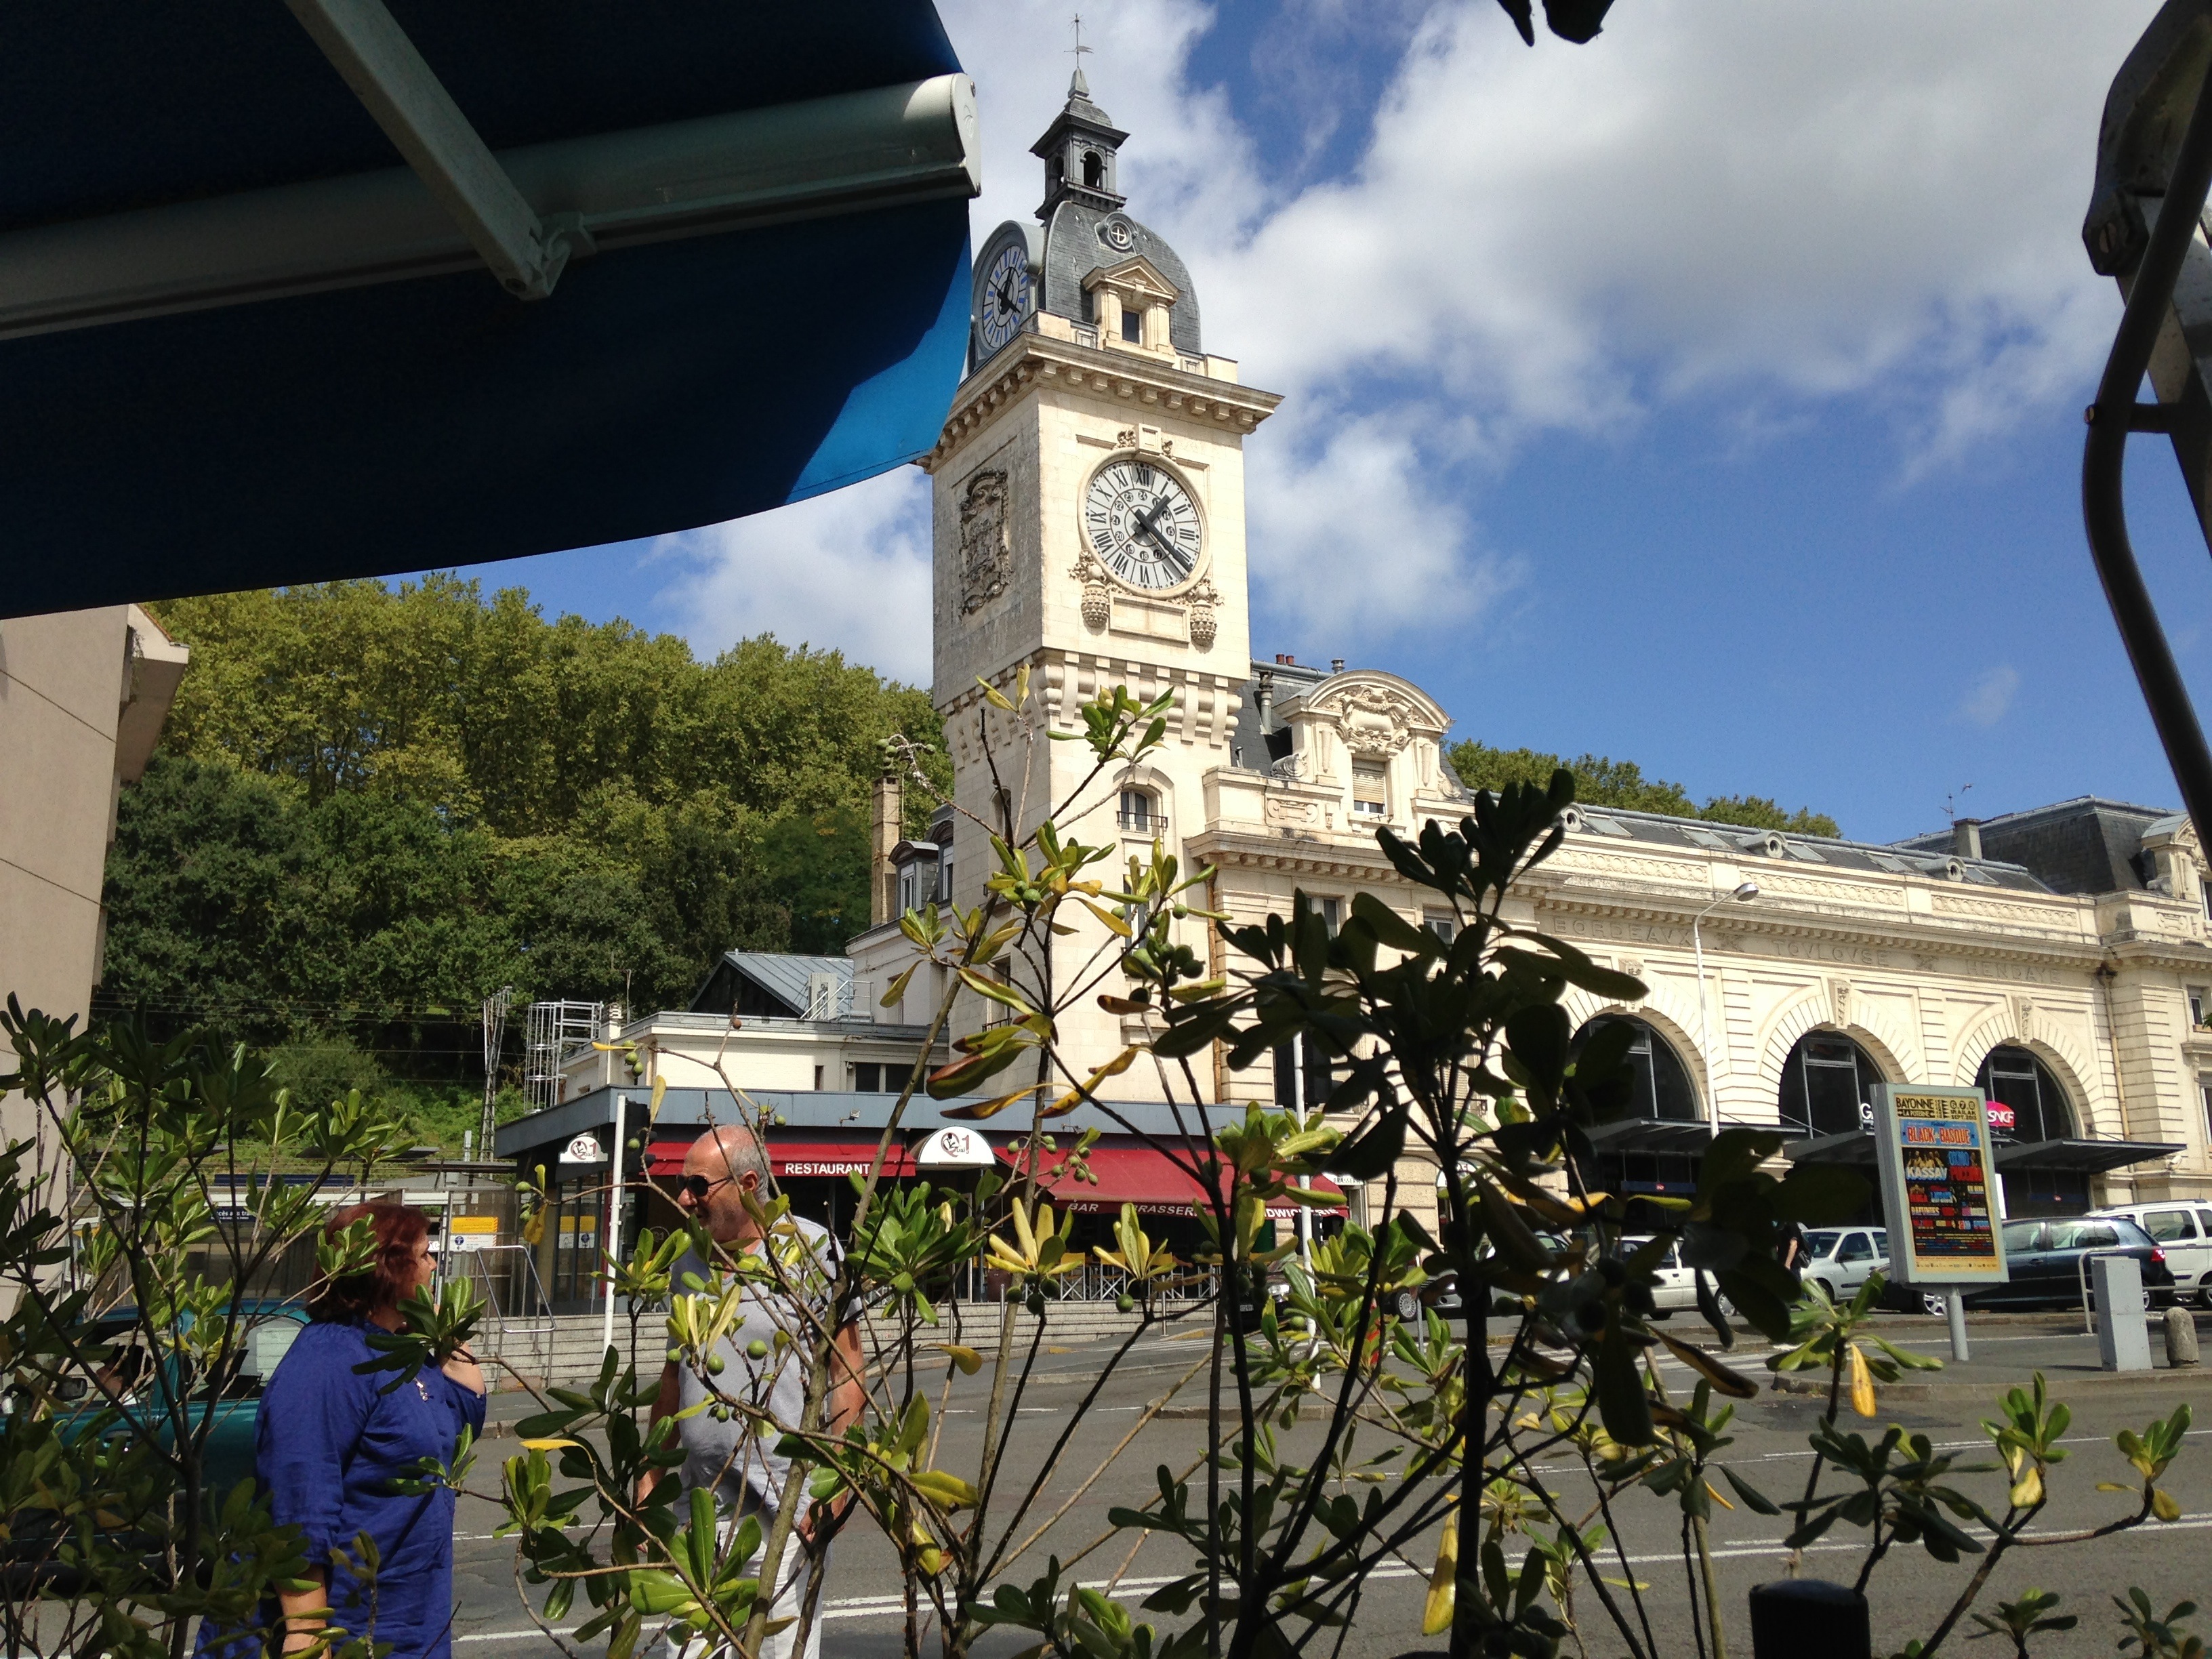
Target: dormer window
[
  {"x": 1132, "y": 325},
  {"x": 1371, "y": 790}
]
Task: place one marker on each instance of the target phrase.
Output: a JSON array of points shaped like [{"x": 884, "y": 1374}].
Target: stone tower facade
[{"x": 1089, "y": 521}]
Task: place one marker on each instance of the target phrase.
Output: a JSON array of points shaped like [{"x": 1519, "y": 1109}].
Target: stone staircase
[{"x": 567, "y": 1350}]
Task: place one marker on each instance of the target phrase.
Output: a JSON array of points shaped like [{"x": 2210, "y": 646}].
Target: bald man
[{"x": 735, "y": 1459}]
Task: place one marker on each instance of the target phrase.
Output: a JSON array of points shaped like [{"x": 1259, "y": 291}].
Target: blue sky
[{"x": 1708, "y": 396}]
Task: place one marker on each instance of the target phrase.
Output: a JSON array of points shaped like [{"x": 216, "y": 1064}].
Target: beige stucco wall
[{"x": 82, "y": 696}]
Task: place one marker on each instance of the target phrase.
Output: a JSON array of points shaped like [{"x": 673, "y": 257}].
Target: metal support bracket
[{"x": 372, "y": 52}]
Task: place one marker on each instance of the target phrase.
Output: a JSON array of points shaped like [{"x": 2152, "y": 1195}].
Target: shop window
[
  {"x": 1140, "y": 812},
  {"x": 2015, "y": 1079},
  {"x": 1659, "y": 1080},
  {"x": 1828, "y": 1085},
  {"x": 2045, "y": 1192},
  {"x": 1371, "y": 790}
]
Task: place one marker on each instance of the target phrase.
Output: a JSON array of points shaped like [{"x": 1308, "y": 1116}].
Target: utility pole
[{"x": 494, "y": 1039}]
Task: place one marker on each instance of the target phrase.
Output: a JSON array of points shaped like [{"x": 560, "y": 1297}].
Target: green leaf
[
  {"x": 1753, "y": 1499},
  {"x": 1821, "y": 1195},
  {"x": 1622, "y": 1404},
  {"x": 1376, "y": 1152}
]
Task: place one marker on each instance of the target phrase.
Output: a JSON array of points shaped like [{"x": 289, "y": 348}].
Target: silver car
[{"x": 1839, "y": 1259}]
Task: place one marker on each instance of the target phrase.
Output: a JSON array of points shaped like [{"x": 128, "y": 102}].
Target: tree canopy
[
  {"x": 1601, "y": 780},
  {"x": 374, "y": 806}
]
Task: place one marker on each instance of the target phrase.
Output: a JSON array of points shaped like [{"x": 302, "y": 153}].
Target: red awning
[
  {"x": 815, "y": 1156},
  {"x": 1130, "y": 1172}
]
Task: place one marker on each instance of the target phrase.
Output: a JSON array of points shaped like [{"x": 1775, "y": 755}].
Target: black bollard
[{"x": 1809, "y": 1619}]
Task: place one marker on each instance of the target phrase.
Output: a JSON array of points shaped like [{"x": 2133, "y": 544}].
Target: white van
[{"x": 2183, "y": 1229}]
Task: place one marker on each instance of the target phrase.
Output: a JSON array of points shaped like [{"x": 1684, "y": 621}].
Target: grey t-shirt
[{"x": 738, "y": 1458}]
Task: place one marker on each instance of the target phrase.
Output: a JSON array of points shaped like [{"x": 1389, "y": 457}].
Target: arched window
[
  {"x": 2014, "y": 1077},
  {"x": 1660, "y": 1081},
  {"x": 1140, "y": 812},
  {"x": 1827, "y": 1084},
  {"x": 1094, "y": 170}
]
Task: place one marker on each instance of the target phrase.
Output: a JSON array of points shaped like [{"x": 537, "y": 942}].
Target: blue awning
[{"x": 242, "y": 345}]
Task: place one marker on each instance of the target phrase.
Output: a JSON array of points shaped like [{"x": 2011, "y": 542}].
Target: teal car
[{"x": 124, "y": 1386}]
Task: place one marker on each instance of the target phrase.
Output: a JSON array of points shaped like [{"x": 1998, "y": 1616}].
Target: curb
[{"x": 1906, "y": 1393}]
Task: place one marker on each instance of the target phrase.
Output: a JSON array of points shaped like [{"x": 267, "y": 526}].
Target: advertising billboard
[{"x": 1938, "y": 1185}]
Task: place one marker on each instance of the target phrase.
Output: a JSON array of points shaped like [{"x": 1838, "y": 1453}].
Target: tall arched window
[
  {"x": 2014, "y": 1077},
  {"x": 1827, "y": 1084},
  {"x": 1661, "y": 1082},
  {"x": 1094, "y": 170}
]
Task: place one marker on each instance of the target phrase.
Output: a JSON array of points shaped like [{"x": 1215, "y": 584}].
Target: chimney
[
  {"x": 886, "y": 829},
  {"x": 1967, "y": 837},
  {"x": 1265, "y": 698},
  {"x": 1336, "y": 665}
]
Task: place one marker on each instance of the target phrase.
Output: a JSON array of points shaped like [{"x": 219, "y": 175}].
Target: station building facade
[{"x": 1089, "y": 532}]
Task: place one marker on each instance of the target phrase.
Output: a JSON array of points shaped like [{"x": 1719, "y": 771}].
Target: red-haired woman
[{"x": 330, "y": 1442}]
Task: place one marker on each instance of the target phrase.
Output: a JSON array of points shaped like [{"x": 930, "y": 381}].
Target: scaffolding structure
[{"x": 553, "y": 1031}]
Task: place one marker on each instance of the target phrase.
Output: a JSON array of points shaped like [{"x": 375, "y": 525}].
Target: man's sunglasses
[{"x": 700, "y": 1186}]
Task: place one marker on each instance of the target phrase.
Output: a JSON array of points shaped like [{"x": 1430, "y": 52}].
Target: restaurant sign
[{"x": 1932, "y": 1149}]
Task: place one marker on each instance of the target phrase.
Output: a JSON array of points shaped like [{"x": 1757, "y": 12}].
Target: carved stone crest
[
  {"x": 1377, "y": 722},
  {"x": 986, "y": 556}
]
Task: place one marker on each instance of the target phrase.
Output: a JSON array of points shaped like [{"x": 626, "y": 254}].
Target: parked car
[
  {"x": 1840, "y": 1260},
  {"x": 1440, "y": 1294},
  {"x": 124, "y": 1383},
  {"x": 1674, "y": 1286},
  {"x": 2045, "y": 1255},
  {"x": 2183, "y": 1232}
]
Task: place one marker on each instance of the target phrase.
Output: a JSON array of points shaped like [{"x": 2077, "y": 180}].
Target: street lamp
[{"x": 1744, "y": 893}]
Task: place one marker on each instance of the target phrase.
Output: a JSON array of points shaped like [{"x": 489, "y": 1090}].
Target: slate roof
[
  {"x": 1249, "y": 750},
  {"x": 785, "y": 977},
  {"x": 2085, "y": 845}
]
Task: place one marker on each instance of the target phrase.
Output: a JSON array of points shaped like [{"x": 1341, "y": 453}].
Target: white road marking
[{"x": 879, "y": 1606}]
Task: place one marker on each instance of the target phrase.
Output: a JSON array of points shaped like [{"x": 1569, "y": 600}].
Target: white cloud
[
  {"x": 1990, "y": 698},
  {"x": 1774, "y": 207},
  {"x": 848, "y": 570}
]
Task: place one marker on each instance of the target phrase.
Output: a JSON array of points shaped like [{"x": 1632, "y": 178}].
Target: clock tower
[{"x": 1089, "y": 507}]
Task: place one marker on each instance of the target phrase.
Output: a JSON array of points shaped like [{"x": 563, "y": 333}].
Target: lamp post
[{"x": 1745, "y": 892}]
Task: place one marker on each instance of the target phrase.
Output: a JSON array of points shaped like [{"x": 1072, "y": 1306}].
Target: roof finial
[{"x": 1076, "y": 86}]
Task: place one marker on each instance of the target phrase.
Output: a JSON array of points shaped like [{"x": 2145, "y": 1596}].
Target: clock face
[
  {"x": 1142, "y": 524},
  {"x": 1003, "y": 297}
]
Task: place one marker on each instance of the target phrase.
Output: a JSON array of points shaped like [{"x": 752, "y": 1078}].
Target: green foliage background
[
  {"x": 374, "y": 806},
  {"x": 1601, "y": 780}
]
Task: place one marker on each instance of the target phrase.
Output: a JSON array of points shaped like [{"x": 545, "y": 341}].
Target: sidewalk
[{"x": 2005, "y": 1352}]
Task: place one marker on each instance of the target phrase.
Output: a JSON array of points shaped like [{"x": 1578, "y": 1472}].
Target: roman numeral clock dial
[{"x": 1143, "y": 526}]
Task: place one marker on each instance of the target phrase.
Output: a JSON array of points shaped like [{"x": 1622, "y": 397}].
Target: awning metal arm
[{"x": 369, "y": 49}]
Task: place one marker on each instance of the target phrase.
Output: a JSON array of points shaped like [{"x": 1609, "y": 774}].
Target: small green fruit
[
  {"x": 715, "y": 1365},
  {"x": 676, "y": 1356},
  {"x": 756, "y": 1349},
  {"x": 1126, "y": 1303}
]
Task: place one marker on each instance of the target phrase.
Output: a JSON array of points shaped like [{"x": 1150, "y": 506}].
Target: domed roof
[{"x": 1085, "y": 227}]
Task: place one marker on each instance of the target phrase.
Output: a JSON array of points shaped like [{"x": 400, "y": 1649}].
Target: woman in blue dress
[{"x": 329, "y": 1445}]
